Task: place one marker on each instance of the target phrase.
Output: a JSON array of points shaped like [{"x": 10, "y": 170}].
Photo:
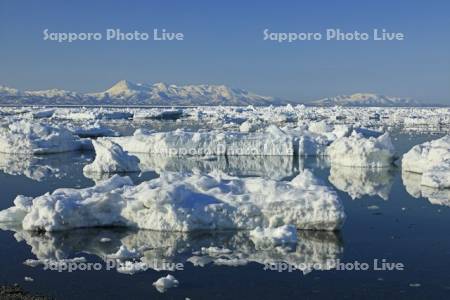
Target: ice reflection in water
[
  {"x": 314, "y": 250},
  {"x": 411, "y": 181},
  {"x": 358, "y": 182},
  {"x": 42, "y": 167}
]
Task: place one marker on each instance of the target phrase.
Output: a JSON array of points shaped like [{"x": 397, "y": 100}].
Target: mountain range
[
  {"x": 366, "y": 100},
  {"x": 127, "y": 93}
]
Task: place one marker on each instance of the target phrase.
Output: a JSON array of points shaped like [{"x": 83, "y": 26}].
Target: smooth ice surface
[
  {"x": 358, "y": 151},
  {"x": 177, "y": 202}
]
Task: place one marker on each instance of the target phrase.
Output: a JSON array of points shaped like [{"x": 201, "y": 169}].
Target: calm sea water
[{"x": 387, "y": 218}]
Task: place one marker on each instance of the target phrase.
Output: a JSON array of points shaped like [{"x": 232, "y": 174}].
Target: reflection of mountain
[
  {"x": 358, "y": 182},
  {"x": 38, "y": 168},
  {"x": 412, "y": 181},
  {"x": 273, "y": 167},
  {"x": 161, "y": 249}
]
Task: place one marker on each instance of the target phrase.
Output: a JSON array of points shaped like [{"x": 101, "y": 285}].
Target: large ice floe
[
  {"x": 358, "y": 151},
  {"x": 111, "y": 158},
  {"x": 272, "y": 141},
  {"x": 432, "y": 160},
  {"x": 178, "y": 202},
  {"x": 25, "y": 137}
]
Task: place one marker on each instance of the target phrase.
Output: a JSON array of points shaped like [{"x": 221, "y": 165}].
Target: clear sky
[{"x": 224, "y": 45}]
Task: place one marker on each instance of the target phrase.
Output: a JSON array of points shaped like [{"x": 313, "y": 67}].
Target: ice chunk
[
  {"x": 437, "y": 176},
  {"x": 165, "y": 283},
  {"x": 181, "y": 202},
  {"x": 432, "y": 159},
  {"x": 272, "y": 141},
  {"x": 24, "y": 137},
  {"x": 91, "y": 129},
  {"x": 423, "y": 157},
  {"x": 357, "y": 151},
  {"x": 110, "y": 158}
]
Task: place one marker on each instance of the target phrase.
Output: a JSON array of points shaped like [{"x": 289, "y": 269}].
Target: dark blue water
[{"x": 384, "y": 221}]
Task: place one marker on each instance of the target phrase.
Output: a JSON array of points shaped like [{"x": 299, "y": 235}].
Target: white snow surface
[
  {"x": 432, "y": 160},
  {"x": 425, "y": 156},
  {"x": 27, "y": 137},
  {"x": 177, "y": 202},
  {"x": 165, "y": 283},
  {"x": 358, "y": 151},
  {"x": 273, "y": 141},
  {"x": 111, "y": 158}
]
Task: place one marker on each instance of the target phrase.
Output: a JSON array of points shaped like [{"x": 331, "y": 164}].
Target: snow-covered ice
[
  {"x": 432, "y": 160},
  {"x": 424, "y": 156},
  {"x": 165, "y": 283},
  {"x": 111, "y": 158},
  {"x": 358, "y": 151},
  {"x": 26, "y": 137},
  {"x": 272, "y": 141},
  {"x": 90, "y": 129},
  {"x": 181, "y": 202}
]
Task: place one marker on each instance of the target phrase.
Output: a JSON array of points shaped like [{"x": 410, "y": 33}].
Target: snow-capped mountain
[
  {"x": 366, "y": 99},
  {"x": 128, "y": 93}
]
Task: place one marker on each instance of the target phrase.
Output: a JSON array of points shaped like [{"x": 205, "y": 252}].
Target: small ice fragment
[{"x": 165, "y": 283}]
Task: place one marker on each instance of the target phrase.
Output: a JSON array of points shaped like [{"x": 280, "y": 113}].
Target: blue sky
[{"x": 224, "y": 45}]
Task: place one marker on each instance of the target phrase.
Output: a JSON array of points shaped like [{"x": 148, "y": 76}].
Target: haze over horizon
[{"x": 224, "y": 45}]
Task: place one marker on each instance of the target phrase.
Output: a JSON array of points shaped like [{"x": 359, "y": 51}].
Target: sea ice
[
  {"x": 165, "y": 283},
  {"x": 357, "y": 151},
  {"x": 432, "y": 160},
  {"x": 181, "y": 202},
  {"x": 423, "y": 157},
  {"x": 272, "y": 141},
  {"x": 25, "y": 137},
  {"x": 111, "y": 158},
  {"x": 91, "y": 130}
]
